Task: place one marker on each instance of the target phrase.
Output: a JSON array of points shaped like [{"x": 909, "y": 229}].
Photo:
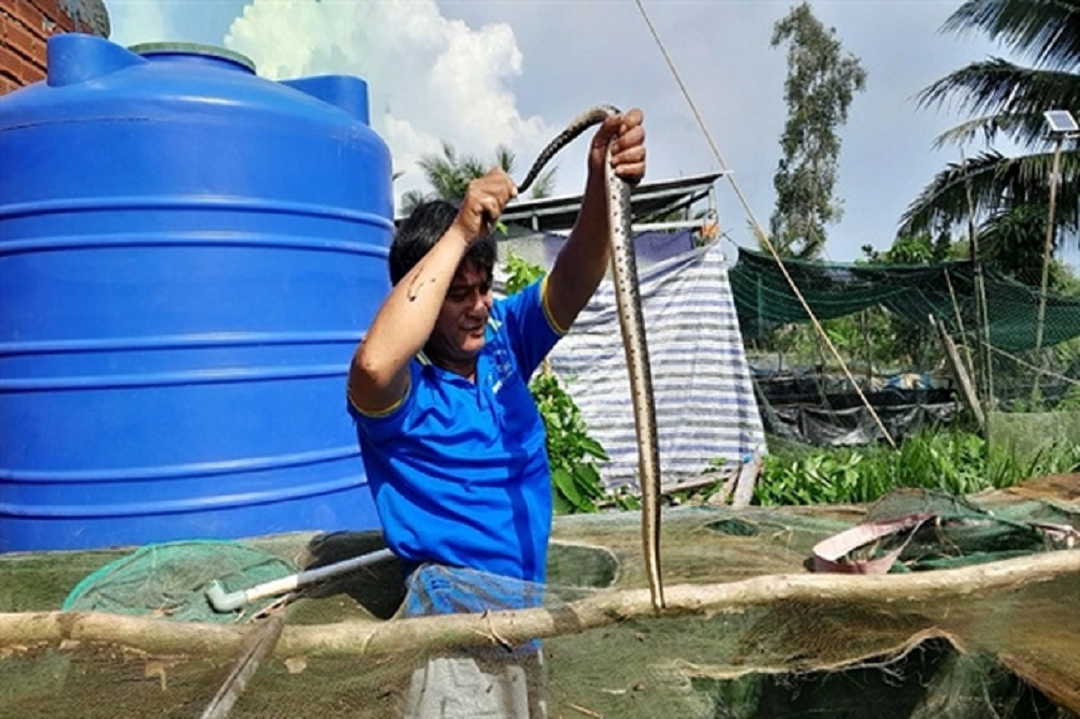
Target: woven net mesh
[
  {"x": 927, "y": 345},
  {"x": 948, "y": 291},
  {"x": 170, "y": 581},
  {"x": 738, "y": 639}
]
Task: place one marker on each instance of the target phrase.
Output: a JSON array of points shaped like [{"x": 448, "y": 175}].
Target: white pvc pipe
[{"x": 232, "y": 601}]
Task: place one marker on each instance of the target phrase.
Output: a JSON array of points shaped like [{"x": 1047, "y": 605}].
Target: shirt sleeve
[
  {"x": 392, "y": 420},
  {"x": 529, "y": 326}
]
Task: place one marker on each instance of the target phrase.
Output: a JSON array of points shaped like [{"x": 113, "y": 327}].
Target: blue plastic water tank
[{"x": 188, "y": 255}]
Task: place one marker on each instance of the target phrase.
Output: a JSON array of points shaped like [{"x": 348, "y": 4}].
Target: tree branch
[{"x": 374, "y": 638}]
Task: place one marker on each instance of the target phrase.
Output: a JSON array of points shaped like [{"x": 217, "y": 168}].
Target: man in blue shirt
[{"x": 452, "y": 442}]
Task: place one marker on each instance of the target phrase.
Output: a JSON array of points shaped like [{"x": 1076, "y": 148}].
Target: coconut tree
[
  {"x": 449, "y": 175},
  {"x": 1004, "y": 193}
]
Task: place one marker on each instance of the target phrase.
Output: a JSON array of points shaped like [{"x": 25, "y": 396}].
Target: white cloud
[
  {"x": 480, "y": 74},
  {"x": 431, "y": 79},
  {"x": 138, "y": 21}
]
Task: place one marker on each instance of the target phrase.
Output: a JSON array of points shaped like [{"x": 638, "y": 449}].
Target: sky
[{"x": 484, "y": 73}]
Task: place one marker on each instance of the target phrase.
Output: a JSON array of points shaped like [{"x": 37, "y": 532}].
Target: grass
[{"x": 951, "y": 461}]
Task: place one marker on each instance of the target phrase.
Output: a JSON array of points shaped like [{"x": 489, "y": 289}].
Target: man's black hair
[{"x": 422, "y": 229}]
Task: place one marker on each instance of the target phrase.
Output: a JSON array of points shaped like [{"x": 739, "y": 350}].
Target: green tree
[
  {"x": 898, "y": 342},
  {"x": 820, "y": 86},
  {"x": 449, "y": 175},
  {"x": 914, "y": 250},
  {"x": 1007, "y": 196}
]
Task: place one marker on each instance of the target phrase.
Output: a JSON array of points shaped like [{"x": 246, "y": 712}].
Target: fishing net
[
  {"x": 927, "y": 345},
  {"x": 170, "y": 581},
  {"x": 948, "y": 291},
  {"x": 960, "y": 627}
]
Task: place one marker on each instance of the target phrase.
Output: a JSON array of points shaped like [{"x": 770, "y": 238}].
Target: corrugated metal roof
[{"x": 557, "y": 214}]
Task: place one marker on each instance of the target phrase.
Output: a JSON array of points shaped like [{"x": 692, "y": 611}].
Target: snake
[{"x": 632, "y": 326}]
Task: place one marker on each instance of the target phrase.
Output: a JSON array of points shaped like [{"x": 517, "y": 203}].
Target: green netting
[
  {"x": 170, "y": 580},
  {"x": 764, "y": 299},
  {"x": 961, "y": 533},
  {"x": 1031, "y": 435},
  {"x": 993, "y": 646}
]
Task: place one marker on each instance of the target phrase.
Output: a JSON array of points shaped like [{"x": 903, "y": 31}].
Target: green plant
[
  {"x": 818, "y": 478},
  {"x": 575, "y": 478},
  {"x": 1004, "y": 469},
  {"x": 952, "y": 461},
  {"x": 520, "y": 273},
  {"x": 572, "y": 453}
]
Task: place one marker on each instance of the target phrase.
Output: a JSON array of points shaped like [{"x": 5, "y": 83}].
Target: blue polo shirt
[{"x": 459, "y": 470}]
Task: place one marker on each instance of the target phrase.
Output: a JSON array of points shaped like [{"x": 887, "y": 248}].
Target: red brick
[
  {"x": 40, "y": 23},
  {"x": 51, "y": 10},
  {"x": 7, "y": 84},
  {"x": 23, "y": 71},
  {"x": 31, "y": 19},
  {"x": 14, "y": 36},
  {"x": 22, "y": 43},
  {"x": 25, "y": 26}
]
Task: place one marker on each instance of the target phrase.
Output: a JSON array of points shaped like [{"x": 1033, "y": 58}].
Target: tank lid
[{"x": 193, "y": 49}]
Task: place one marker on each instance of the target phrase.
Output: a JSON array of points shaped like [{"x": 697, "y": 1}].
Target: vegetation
[
  {"x": 991, "y": 205},
  {"x": 449, "y": 175},
  {"x": 1007, "y": 197},
  {"x": 572, "y": 453},
  {"x": 873, "y": 340},
  {"x": 954, "y": 461},
  {"x": 820, "y": 86}
]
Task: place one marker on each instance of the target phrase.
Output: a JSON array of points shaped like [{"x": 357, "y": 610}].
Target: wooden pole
[
  {"x": 967, "y": 391},
  {"x": 396, "y": 637}
]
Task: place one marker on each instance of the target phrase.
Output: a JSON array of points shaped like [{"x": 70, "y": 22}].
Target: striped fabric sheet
[{"x": 705, "y": 403}]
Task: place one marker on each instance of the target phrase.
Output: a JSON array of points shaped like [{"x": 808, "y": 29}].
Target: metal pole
[{"x": 1048, "y": 251}]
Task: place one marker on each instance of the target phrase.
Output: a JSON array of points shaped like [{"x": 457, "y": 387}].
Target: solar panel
[{"x": 1061, "y": 121}]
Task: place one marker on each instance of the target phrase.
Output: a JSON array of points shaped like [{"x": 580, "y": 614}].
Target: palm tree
[
  {"x": 449, "y": 175},
  {"x": 1002, "y": 193}
]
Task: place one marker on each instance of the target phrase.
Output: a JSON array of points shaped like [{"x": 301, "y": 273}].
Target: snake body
[{"x": 632, "y": 324}]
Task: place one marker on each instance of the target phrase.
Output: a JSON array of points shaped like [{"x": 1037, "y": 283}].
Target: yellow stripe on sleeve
[
  {"x": 375, "y": 414},
  {"x": 559, "y": 329}
]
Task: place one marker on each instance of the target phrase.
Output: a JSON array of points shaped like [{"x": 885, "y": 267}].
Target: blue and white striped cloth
[{"x": 705, "y": 402}]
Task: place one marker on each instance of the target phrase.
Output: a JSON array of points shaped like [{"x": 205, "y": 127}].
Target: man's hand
[
  {"x": 484, "y": 202},
  {"x": 626, "y": 135}
]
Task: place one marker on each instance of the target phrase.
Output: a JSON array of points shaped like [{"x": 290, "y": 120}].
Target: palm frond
[
  {"x": 504, "y": 159},
  {"x": 945, "y": 201},
  {"x": 985, "y": 127},
  {"x": 996, "y": 183},
  {"x": 544, "y": 184},
  {"x": 1010, "y": 99},
  {"x": 1007, "y": 100},
  {"x": 997, "y": 86},
  {"x": 410, "y": 201},
  {"x": 472, "y": 168},
  {"x": 1045, "y": 31}
]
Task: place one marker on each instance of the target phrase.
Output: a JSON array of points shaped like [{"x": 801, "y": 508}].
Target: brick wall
[{"x": 25, "y": 25}]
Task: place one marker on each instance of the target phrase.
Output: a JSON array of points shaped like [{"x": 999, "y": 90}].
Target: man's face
[{"x": 459, "y": 330}]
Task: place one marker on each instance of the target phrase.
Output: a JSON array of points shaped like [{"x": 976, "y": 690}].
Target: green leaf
[
  {"x": 591, "y": 447},
  {"x": 563, "y": 481}
]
